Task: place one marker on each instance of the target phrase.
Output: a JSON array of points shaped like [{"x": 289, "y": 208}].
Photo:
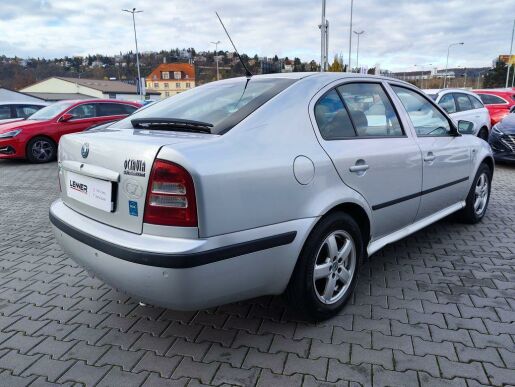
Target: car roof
[
  {"x": 496, "y": 91},
  {"x": 329, "y": 76},
  {"x": 447, "y": 90},
  {"x": 39, "y": 103}
]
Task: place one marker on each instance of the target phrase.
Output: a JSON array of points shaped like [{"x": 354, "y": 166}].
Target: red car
[
  {"x": 36, "y": 138},
  {"x": 499, "y": 102}
]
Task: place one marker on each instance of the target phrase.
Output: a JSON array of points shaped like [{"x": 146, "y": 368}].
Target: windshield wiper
[{"x": 173, "y": 123}]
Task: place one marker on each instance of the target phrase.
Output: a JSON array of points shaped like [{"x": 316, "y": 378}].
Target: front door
[
  {"x": 84, "y": 116},
  {"x": 373, "y": 154},
  {"x": 446, "y": 157}
]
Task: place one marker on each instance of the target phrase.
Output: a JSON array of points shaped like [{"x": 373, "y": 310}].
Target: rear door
[
  {"x": 110, "y": 111},
  {"x": 446, "y": 157},
  {"x": 360, "y": 129},
  {"x": 466, "y": 111}
]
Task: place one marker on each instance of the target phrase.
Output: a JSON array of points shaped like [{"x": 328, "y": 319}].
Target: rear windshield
[
  {"x": 51, "y": 111},
  {"x": 222, "y": 104}
]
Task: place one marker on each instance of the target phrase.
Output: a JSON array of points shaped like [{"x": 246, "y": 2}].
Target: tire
[
  {"x": 483, "y": 134},
  {"x": 41, "y": 150},
  {"x": 478, "y": 196},
  {"x": 316, "y": 298}
]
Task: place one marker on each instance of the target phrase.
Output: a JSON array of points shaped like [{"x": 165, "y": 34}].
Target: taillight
[{"x": 170, "y": 196}]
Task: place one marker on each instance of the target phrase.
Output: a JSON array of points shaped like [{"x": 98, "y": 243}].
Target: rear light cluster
[{"x": 170, "y": 196}]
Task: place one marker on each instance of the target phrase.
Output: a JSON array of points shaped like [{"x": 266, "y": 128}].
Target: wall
[{"x": 54, "y": 85}]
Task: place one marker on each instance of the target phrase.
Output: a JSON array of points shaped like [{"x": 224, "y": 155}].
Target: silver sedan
[{"x": 260, "y": 185}]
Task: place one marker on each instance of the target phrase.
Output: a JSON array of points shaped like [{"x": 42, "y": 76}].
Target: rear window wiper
[{"x": 173, "y": 123}]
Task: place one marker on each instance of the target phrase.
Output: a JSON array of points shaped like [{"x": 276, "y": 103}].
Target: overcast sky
[{"x": 398, "y": 33}]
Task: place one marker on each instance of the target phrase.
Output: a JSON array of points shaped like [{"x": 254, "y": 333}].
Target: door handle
[
  {"x": 358, "y": 168},
  {"x": 430, "y": 157}
]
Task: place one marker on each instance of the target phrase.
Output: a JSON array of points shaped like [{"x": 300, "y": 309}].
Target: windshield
[
  {"x": 433, "y": 96},
  {"x": 51, "y": 111},
  {"x": 222, "y": 104}
]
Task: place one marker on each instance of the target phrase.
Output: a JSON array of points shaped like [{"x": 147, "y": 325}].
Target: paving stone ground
[{"x": 435, "y": 309}]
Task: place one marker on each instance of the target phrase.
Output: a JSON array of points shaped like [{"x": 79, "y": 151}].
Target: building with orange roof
[{"x": 171, "y": 78}]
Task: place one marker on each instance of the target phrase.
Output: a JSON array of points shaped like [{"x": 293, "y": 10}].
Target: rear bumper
[{"x": 186, "y": 274}]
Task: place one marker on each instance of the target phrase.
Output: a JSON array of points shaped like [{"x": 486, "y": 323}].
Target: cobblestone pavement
[{"x": 435, "y": 309}]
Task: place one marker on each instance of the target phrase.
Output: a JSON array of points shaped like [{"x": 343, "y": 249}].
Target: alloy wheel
[
  {"x": 335, "y": 265},
  {"x": 481, "y": 194},
  {"x": 42, "y": 150}
]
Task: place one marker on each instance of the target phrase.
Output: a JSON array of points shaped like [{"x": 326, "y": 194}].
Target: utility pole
[
  {"x": 509, "y": 58},
  {"x": 140, "y": 86},
  {"x": 447, "y": 63},
  {"x": 324, "y": 40},
  {"x": 357, "y": 49},
  {"x": 216, "y": 59},
  {"x": 350, "y": 33}
]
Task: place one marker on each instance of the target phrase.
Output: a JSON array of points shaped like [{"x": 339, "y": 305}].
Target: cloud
[{"x": 398, "y": 34}]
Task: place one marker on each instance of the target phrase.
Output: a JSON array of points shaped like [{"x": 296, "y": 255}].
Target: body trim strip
[
  {"x": 415, "y": 195},
  {"x": 411, "y": 228},
  {"x": 174, "y": 261}
]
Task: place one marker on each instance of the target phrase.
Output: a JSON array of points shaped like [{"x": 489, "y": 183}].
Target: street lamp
[
  {"x": 357, "y": 49},
  {"x": 350, "y": 33},
  {"x": 140, "y": 88},
  {"x": 447, "y": 63},
  {"x": 422, "y": 70},
  {"x": 509, "y": 58},
  {"x": 216, "y": 59},
  {"x": 324, "y": 40}
]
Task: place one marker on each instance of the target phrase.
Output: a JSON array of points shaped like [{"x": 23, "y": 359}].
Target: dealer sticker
[{"x": 133, "y": 208}]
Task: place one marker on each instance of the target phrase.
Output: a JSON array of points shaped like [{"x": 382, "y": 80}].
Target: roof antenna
[{"x": 248, "y": 74}]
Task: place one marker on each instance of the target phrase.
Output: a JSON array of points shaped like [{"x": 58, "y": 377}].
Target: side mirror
[
  {"x": 465, "y": 127},
  {"x": 66, "y": 117}
]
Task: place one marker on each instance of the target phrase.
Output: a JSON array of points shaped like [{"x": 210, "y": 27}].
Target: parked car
[
  {"x": 253, "y": 186},
  {"x": 37, "y": 137},
  {"x": 499, "y": 102},
  {"x": 17, "y": 111},
  {"x": 463, "y": 105},
  {"x": 502, "y": 139}
]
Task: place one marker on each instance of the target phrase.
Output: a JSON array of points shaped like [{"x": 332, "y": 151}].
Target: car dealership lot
[{"x": 439, "y": 304}]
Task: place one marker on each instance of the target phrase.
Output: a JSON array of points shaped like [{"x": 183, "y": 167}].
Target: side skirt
[{"x": 414, "y": 227}]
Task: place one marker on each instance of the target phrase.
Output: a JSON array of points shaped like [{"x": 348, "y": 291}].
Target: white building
[{"x": 59, "y": 88}]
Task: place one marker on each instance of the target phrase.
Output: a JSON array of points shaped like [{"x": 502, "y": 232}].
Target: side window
[
  {"x": 370, "y": 110},
  {"x": 87, "y": 110},
  {"x": 476, "y": 103},
  {"x": 447, "y": 103},
  {"x": 489, "y": 99},
  {"x": 426, "y": 118},
  {"x": 463, "y": 102},
  {"x": 111, "y": 109},
  {"x": 5, "y": 112},
  {"x": 332, "y": 118},
  {"x": 129, "y": 109},
  {"x": 23, "y": 111}
]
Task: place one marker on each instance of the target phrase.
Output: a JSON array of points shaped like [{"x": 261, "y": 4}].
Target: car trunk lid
[{"x": 104, "y": 174}]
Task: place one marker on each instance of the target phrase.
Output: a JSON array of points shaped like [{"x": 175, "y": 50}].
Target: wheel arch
[
  {"x": 40, "y": 136},
  {"x": 488, "y": 160},
  {"x": 359, "y": 214}
]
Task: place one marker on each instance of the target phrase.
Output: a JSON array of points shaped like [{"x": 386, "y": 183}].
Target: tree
[
  {"x": 337, "y": 65},
  {"x": 497, "y": 76}
]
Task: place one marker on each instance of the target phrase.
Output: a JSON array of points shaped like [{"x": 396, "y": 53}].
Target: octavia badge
[{"x": 84, "y": 151}]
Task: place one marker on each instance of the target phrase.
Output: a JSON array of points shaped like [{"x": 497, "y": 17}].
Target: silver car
[{"x": 254, "y": 186}]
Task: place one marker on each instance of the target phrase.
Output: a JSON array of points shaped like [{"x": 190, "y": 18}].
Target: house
[
  {"x": 171, "y": 78},
  {"x": 59, "y": 88},
  {"x": 8, "y": 95}
]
